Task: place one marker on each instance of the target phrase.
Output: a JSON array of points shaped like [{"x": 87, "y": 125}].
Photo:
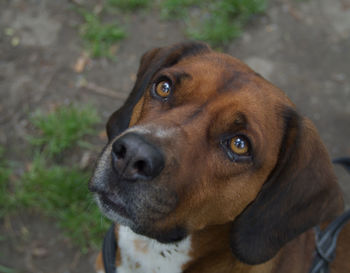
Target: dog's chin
[
  {"x": 114, "y": 211},
  {"x": 163, "y": 236}
]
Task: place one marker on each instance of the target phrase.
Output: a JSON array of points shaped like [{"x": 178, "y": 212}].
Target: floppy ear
[
  {"x": 119, "y": 120},
  {"x": 151, "y": 62},
  {"x": 300, "y": 193}
]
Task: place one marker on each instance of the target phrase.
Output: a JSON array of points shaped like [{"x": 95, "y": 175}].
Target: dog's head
[{"x": 203, "y": 140}]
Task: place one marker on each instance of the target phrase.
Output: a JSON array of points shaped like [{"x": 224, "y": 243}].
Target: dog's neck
[
  {"x": 211, "y": 252},
  {"x": 145, "y": 255},
  {"x": 204, "y": 251}
]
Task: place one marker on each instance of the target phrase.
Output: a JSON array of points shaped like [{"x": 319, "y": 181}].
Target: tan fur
[{"x": 136, "y": 114}]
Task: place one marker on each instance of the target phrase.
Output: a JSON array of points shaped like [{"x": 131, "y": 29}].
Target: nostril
[
  {"x": 141, "y": 167},
  {"x": 119, "y": 150}
]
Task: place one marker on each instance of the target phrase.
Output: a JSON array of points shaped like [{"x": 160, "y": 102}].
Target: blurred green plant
[
  {"x": 5, "y": 172},
  {"x": 5, "y": 269},
  {"x": 216, "y": 22},
  {"x": 52, "y": 188},
  {"x": 61, "y": 192},
  {"x": 226, "y": 20},
  {"x": 176, "y": 8},
  {"x": 63, "y": 128},
  {"x": 129, "y": 5},
  {"x": 99, "y": 37}
]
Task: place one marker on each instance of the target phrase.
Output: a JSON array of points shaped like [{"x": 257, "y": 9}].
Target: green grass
[
  {"x": 226, "y": 20},
  {"x": 5, "y": 269},
  {"x": 217, "y": 30},
  {"x": 61, "y": 192},
  {"x": 52, "y": 188},
  {"x": 216, "y": 22},
  {"x": 99, "y": 37},
  {"x": 63, "y": 128},
  {"x": 5, "y": 172},
  {"x": 129, "y": 5},
  {"x": 176, "y": 8},
  {"x": 57, "y": 190}
]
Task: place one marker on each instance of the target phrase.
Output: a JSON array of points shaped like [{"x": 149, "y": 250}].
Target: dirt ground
[{"x": 303, "y": 47}]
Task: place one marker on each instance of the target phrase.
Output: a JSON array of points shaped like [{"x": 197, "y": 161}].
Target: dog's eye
[
  {"x": 163, "y": 89},
  {"x": 239, "y": 145},
  {"x": 237, "y": 148}
]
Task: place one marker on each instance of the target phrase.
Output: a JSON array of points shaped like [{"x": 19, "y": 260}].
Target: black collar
[
  {"x": 326, "y": 242},
  {"x": 109, "y": 249}
]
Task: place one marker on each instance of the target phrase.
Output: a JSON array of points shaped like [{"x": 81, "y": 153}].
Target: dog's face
[{"x": 204, "y": 138}]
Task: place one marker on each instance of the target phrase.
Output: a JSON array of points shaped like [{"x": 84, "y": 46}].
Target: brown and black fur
[{"x": 254, "y": 216}]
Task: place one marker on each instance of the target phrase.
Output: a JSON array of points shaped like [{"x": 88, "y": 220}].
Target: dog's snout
[{"x": 134, "y": 158}]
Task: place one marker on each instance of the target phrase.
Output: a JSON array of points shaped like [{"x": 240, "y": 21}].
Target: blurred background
[{"x": 66, "y": 65}]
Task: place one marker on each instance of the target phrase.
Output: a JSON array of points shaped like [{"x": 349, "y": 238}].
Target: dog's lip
[{"x": 113, "y": 203}]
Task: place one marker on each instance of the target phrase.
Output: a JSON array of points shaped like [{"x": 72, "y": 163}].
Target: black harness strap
[
  {"x": 109, "y": 251},
  {"x": 344, "y": 161},
  {"x": 326, "y": 241}
]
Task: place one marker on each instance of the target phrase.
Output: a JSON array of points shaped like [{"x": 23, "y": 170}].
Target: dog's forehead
[
  {"x": 215, "y": 70},
  {"x": 218, "y": 60},
  {"x": 221, "y": 73},
  {"x": 223, "y": 81}
]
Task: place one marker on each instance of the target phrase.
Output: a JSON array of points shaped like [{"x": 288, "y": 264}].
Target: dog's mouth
[
  {"x": 140, "y": 205},
  {"x": 111, "y": 203}
]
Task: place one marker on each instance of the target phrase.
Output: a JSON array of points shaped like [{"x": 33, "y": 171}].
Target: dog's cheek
[{"x": 216, "y": 202}]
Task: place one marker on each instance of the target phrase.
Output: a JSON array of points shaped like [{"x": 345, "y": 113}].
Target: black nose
[{"x": 134, "y": 158}]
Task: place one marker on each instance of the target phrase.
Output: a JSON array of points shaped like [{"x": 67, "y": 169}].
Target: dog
[{"x": 210, "y": 168}]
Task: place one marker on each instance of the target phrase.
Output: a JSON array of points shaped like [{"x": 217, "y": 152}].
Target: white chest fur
[{"x": 140, "y": 254}]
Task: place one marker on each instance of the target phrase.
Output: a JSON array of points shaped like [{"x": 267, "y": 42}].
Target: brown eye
[
  {"x": 163, "y": 89},
  {"x": 239, "y": 145}
]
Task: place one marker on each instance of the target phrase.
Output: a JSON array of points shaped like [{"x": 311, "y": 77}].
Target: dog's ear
[
  {"x": 300, "y": 193},
  {"x": 151, "y": 62},
  {"x": 119, "y": 120}
]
